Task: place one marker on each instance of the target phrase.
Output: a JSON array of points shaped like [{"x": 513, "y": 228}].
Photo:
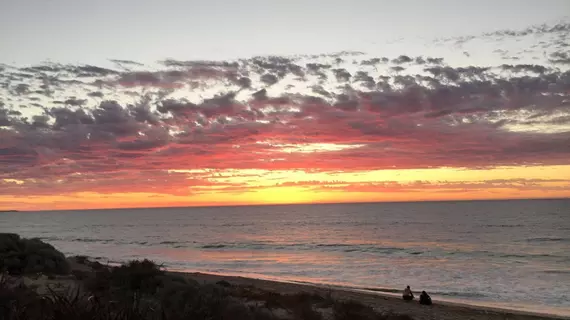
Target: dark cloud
[
  {"x": 140, "y": 78},
  {"x": 74, "y": 102},
  {"x": 5, "y": 119},
  {"x": 182, "y": 108},
  {"x": 243, "y": 82},
  {"x": 317, "y": 69},
  {"x": 260, "y": 95},
  {"x": 420, "y": 60},
  {"x": 297, "y": 70},
  {"x": 561, "y": 30},
  {"x": 21, "y": 88},
  {"x": 563, "y": 27},
  {"x": 342, "y": 75},
  {"x": 123, "y": 63},
  {"x": 402, "y": 59},
  {"x": 65, "y": 117},
  {"x": 346, "y": 102},
  {"x": 371, "y": 62},
  {"x": 321, "y": 91},
  {"x": 524, "y": 68},
  {"x": 366, "y": 80},
  {"x": 560, "y": 57},
  {"x": 269, "y": 79},
  {"x": 279, "y": 66},
  {"x": 199, "y": 63},
  {"x": 96, "y": 94},
  {"x": 93, "y": 71},
  {"x": 436, "y": 61}
]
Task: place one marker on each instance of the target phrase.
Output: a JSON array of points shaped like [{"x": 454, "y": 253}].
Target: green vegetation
[{"x": 30, "y": 256}]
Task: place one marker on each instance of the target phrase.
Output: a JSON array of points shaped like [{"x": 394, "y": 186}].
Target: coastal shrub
[
  {"x": 237, "y": 311},
  {"x": 18, "y": 301},
  {"x": 81, "y": 274},
  {"x": 138, "y": 276},
  {"x": 304, "y": 310},
  {"x": 181, "y": 301},
  {"x": 142, "y": 290},
  {"x": 81, "y": 259},
  {"x": 97, "y": 281},
  {"x": 30, "y": 256},
  {"x": 224, "y": 283},
  {"x": 394, "y": 316},
  {"x": 202, "y": 302},
  {"x": 352, "y": 310}
]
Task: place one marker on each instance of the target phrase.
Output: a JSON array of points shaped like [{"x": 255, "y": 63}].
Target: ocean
[{"x": 513, "y": 254}]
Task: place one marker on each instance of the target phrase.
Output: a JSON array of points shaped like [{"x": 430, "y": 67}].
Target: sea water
[{"x": 513, "y": 254}]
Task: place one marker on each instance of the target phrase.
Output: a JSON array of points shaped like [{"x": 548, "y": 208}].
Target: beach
[{"x": 382, "y": 303}]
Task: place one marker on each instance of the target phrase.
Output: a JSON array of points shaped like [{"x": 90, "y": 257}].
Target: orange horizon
[
  {"x": 274, "y": 187},
  {"x": 214, "y": 205}
]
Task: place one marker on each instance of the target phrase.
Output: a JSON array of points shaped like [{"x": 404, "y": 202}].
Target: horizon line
[{"x": 289, "y": 204}]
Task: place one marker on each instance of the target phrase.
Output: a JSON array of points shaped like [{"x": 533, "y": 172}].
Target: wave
[
  {"x": 348, "y": 248},
  {"x": 213, "y": 246},
  {"x": 169, "y": 242},
  {"x": 502, "y": 225},
  {"x": 460, "y": 294},
  {"x": 548, "y": 239},
  {"x": 70, "y": 239},
  {"x": 556, "y": 271},
  {"x": 385, "y": 290}
]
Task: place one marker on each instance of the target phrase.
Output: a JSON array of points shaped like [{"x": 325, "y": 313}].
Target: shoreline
[
  {"x": 42, "y": 272},
  {"x": 393, "y": 295},
  {"x": 381, "y": 301}
]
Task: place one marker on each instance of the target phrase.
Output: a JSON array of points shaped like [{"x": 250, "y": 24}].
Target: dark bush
[
  {"x": 96, "y": 265},
  {"x": 304, "y": 311},
  {"x": 81, "y": 275},
  {"x": 224, "y": 283},
  {"x": 30, "y": 256},
  {"x": 98, "y": 283},
  {"x": 138, "y": 276},
  {"x": 352, "y": 310},
  {"x": 141, "y": 290},
  {"x": 81, "y": 259}
]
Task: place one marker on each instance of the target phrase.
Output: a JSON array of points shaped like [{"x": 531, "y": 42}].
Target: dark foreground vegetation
[
  {"x": 26, "y": 256},
  {"x": 142, "y": 290}
]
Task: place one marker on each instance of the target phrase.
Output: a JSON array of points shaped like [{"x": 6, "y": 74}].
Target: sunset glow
[{"x": 334, "y": 127}]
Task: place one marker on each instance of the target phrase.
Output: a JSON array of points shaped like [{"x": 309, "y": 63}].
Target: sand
[{"x": 380, "y": 302}]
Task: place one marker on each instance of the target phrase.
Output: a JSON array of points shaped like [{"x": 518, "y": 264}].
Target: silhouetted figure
[
  {"x": 425, "y": 299},
  {"x": 408, "y": 294}
]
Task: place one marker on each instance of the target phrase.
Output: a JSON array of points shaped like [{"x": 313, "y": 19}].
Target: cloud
[
  {"x": 560, "y": 57},
  {"x": 269, "y": 79},
  {"x": 419, "y": 186},
  {"x": 84, "y": 127},
  {"x": 524, "y": 68},
  {"x": 342, "y": 75},
  {"x": 553, "y": 33},
  {"x": 402, "y": 59}
]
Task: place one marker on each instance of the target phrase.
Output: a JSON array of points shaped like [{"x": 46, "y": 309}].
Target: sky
[{"x": 108, "y": 104}]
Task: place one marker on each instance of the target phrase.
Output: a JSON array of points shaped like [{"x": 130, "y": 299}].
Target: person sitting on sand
[
  {"x": 408, "y": 294},
  {"x": 425, "y": 299}
]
